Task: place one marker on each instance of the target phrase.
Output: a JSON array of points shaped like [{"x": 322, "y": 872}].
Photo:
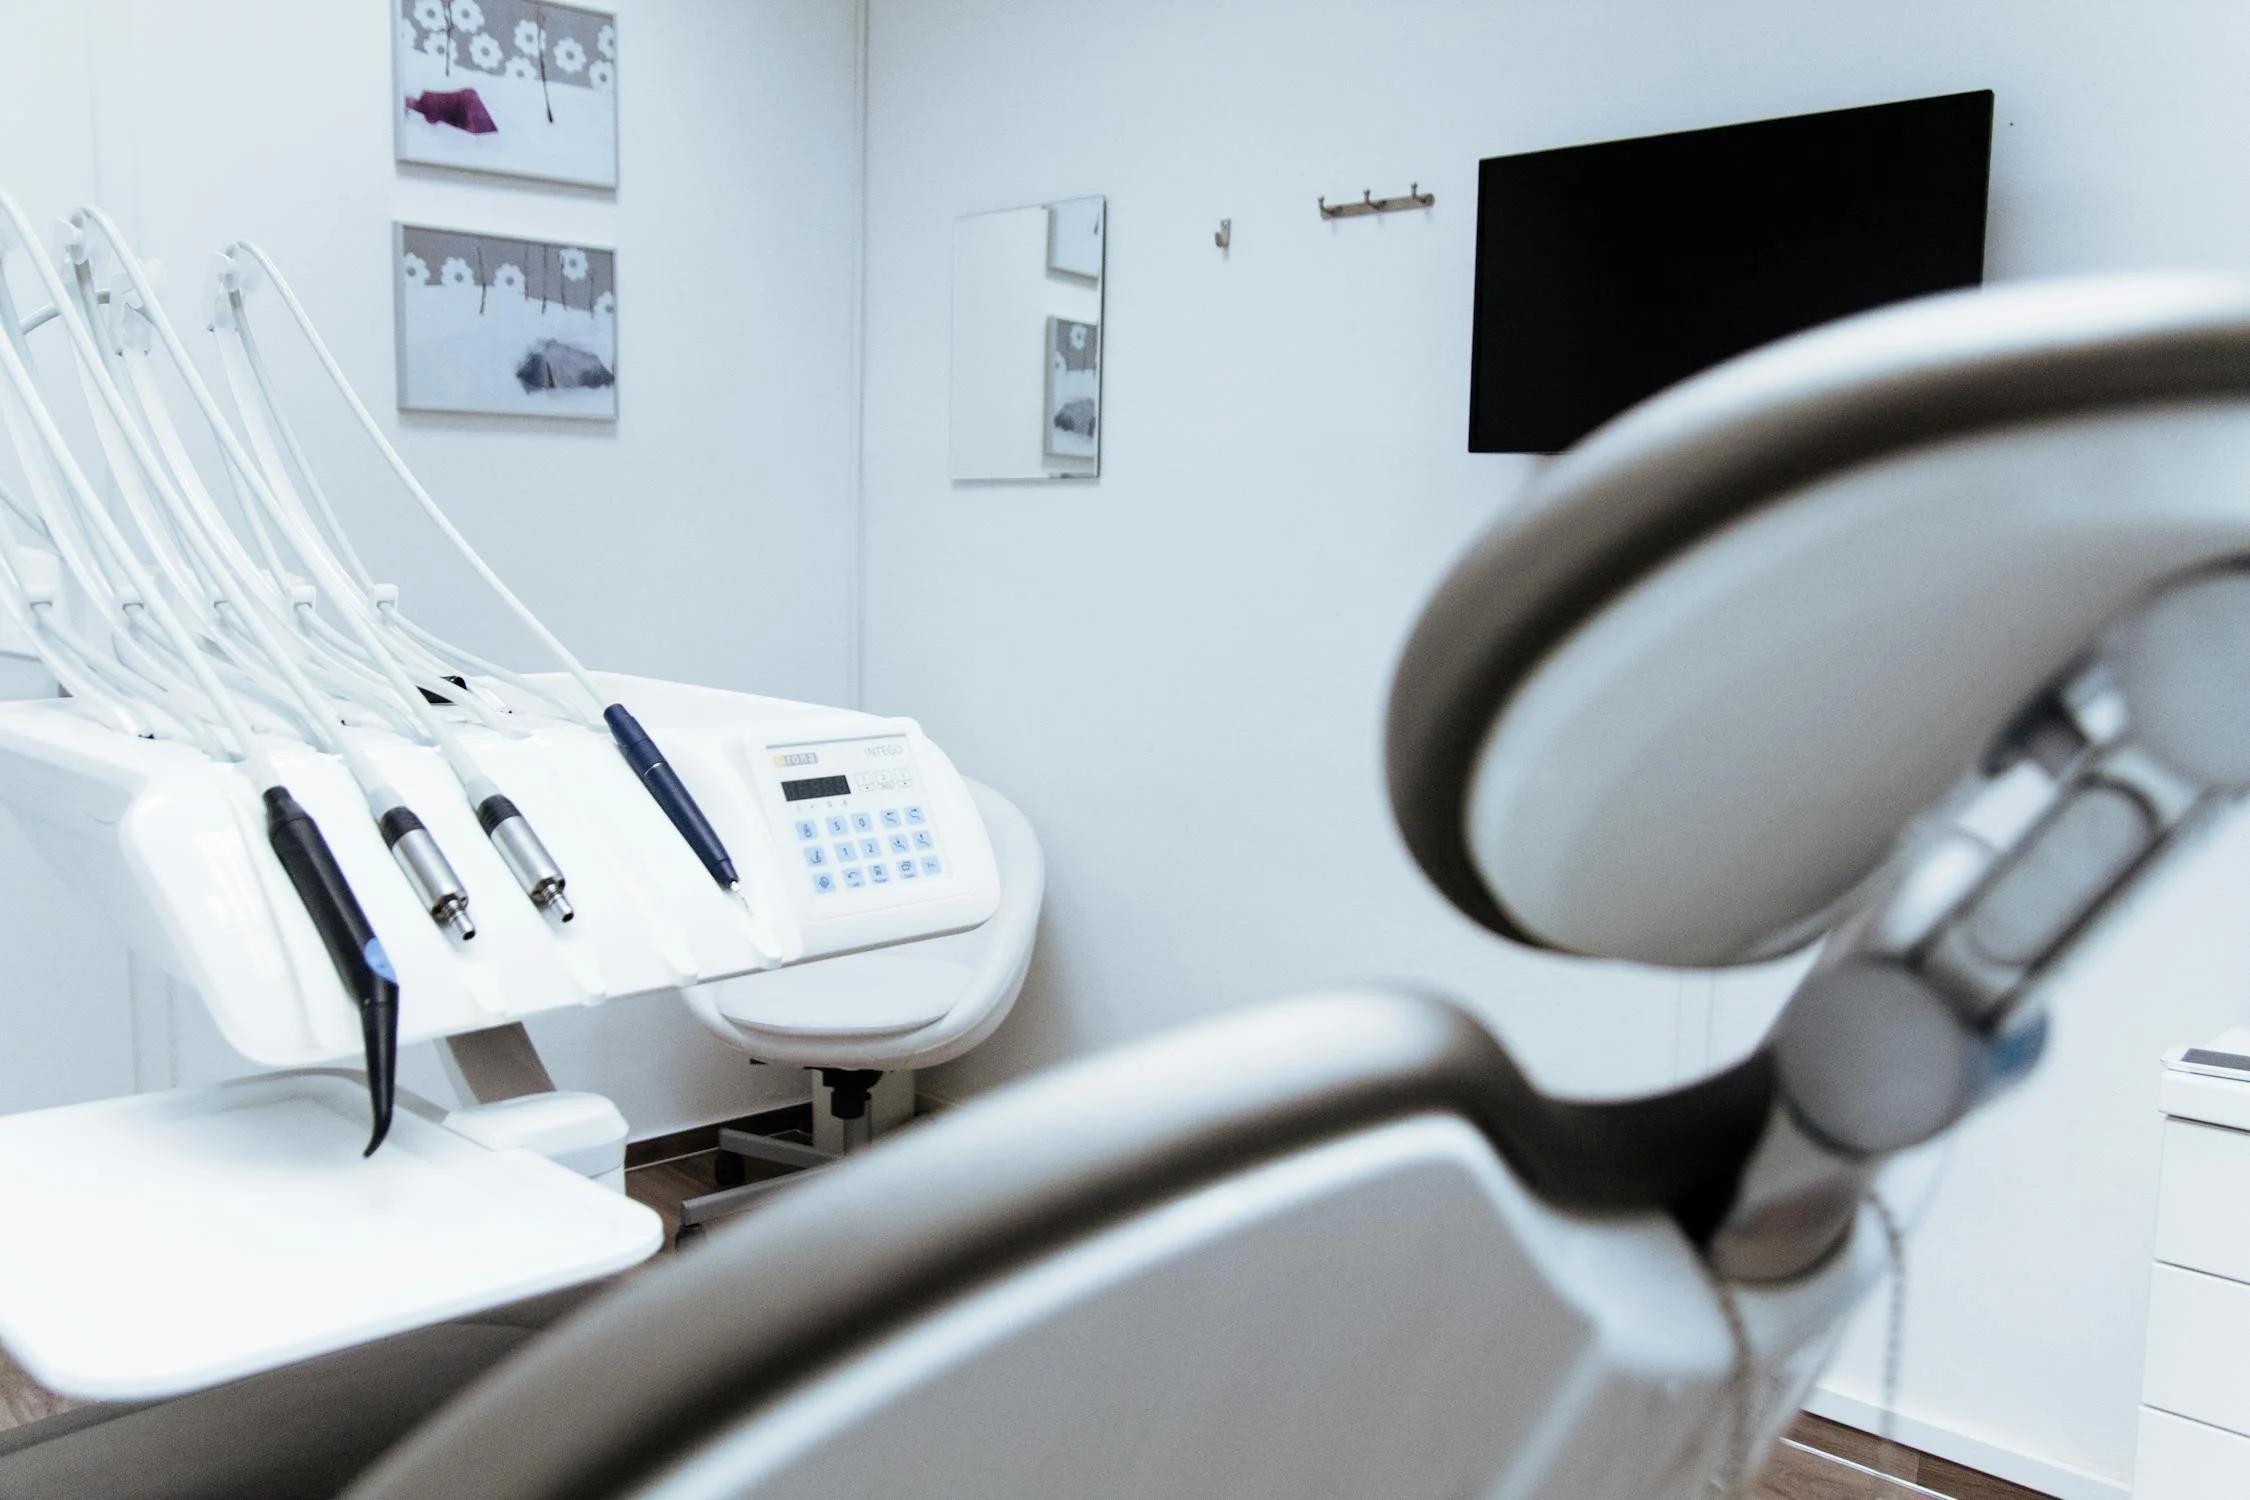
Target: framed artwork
[
  {"x": 1074, "y": 237},
  {"x": 502, "y": 324},
  {"x": 1074, "y": 388},
  {"x": 522, "y": 87}
]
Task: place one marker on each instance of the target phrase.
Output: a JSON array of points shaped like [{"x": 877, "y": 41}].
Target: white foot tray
[{"x": 158, "y": 1244}]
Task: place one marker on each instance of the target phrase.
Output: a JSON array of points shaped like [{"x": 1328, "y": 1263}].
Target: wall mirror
[{"x": 1027, "y": 341}]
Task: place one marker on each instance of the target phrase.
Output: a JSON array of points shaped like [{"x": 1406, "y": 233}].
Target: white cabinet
[{"x": 2195, "y": 1387}]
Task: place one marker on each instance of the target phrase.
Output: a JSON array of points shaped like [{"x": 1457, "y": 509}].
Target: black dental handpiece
[
  {"x": 670, "y": 792},
  {"x": 351, "y": 942}
]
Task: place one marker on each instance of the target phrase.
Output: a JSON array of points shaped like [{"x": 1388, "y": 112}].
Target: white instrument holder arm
[
  {"x": 253, "y": 587},
  {"x": 18, "y": 375},
  {"x": 154, "y": 501},
  {"x": 266, "y": 420},
  {"x": 254, "y": 396},
  {"x": 327, "y": 575},
  {"x": 426, "y": 675},
  {"x": 422, "y": 497},
  {"x": 49, "y": 475}
]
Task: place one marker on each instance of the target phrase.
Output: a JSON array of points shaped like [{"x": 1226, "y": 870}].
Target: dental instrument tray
[
  {"x": 234, "y": 1228},
  {"x": 851, "y": 831}
]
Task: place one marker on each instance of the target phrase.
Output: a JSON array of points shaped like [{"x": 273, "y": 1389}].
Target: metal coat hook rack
[{"x": 1370, "y": 204}]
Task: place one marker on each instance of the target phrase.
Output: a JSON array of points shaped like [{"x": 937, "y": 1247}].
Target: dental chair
[
  {"x": 1747, "y": 674},
  {"x": 885, "y": 1012}
]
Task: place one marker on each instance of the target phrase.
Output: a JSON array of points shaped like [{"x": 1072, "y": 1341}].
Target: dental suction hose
[
  {"x": 671, "y": 794},
  {"x": 351, "y": 942}
]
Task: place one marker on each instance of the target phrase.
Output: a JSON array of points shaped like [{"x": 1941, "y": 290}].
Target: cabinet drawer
[
  {"x": 2203, "y": 1206},
  {"x": 2199, "y": 1349},
  {"x": 2182, "y": 1460}
]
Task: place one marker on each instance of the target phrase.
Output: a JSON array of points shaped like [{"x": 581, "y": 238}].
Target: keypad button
[
  {"x": 815, "y": 855},
  {"x": 837, "y": 827},
  {"x": 855, "y": 877},
  {"x": 898, "y": 843},
  {"x": 891, "y": 818},
  {"x": 862, "y": 823},
  {"x": 824, "y": 882},
  {"x": 922, "y": 839},
  {"x": 807, "y": 829},
  {"x": 845, "y": 852},
  {"x": 930, "y": 865},
  {"x": 914, "y": 813},
  {"x": 907, "y": 870},
  {"x": 880, "y": 874},
  {"x": 869, "y": 848}
]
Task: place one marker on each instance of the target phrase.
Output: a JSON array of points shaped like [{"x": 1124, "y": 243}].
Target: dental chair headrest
[{"x": 1679, "y": 705}]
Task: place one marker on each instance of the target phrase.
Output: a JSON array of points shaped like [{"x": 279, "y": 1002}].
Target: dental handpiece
[
  {"x": 671, "y": 794},
  {"x": 526, "y": 858},
  {"x": 352, "y": 945},
  {"x": 427, "y": 870}
]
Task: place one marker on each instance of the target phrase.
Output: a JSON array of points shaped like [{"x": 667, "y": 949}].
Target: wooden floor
[{"x": 1789, "y": 1474}]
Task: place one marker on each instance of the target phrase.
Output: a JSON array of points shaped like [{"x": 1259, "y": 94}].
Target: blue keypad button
[
  {"x": 837, "y": 827},
  {"x": 862, "y": 823},
  {"x": 930, "y": 866},
  {"x": 914, "y": 813},
  {"x": 922, "y": 839},
  {"x": 824, "y": 883},
  {"x": 807, "y": 829},
  {"x": 845, "y": 852},
  {"x": 815, "y": 855},
  {"x": 869, "y": 848},
  {"x": 880, "y": 874},
  {"x": 855, "y": 877},
  {"x": 898, "y": 843},
  {"x": 891, "y": 818},
  {"x": 906, "y": 870}
]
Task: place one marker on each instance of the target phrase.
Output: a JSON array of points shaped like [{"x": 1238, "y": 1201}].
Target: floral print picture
[
  {"x": 513, "y": 326},
  {"x": 517, "y": 86},
  {"x": 1074, "y": 388}
]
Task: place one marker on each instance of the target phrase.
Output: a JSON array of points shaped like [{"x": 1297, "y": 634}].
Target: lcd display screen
[
  {"x": 816, "y": 786},
  {"x": 1605, "y": 273}
]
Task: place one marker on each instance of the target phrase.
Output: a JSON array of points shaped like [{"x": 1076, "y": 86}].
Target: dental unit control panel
[{"x": 858, "y": 815}]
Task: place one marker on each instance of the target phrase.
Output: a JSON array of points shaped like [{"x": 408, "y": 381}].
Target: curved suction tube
[{"x": 351, "y": 942}]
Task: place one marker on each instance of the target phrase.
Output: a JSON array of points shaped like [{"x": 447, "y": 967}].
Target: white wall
[
  {"x": 706, "y": 536},
  {"x": 1178, "y": 671}
]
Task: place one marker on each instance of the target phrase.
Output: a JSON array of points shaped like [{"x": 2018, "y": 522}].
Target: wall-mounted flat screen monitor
[{"x": 1605, "y": 273}]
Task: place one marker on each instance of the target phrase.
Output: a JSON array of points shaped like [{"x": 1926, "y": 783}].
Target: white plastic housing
[
  {"x": 162, "y": 1243},
  {"x": 173, "y": 844}
]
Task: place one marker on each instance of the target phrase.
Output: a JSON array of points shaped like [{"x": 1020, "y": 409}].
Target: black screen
[
  {"x": 1607, "y": 272},
  {"x": 816, "y": 786}
]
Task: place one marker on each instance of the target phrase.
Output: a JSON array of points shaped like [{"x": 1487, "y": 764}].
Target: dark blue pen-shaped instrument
[{"x": 671, "y": 794}]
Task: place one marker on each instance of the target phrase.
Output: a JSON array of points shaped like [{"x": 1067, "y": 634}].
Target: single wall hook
[{"x": 1225, "y": 236}]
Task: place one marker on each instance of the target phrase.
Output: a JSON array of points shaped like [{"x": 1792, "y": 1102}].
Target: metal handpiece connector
[
  {"x": 428, "y": 872},
  {"x": 526, "y": 858}
]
